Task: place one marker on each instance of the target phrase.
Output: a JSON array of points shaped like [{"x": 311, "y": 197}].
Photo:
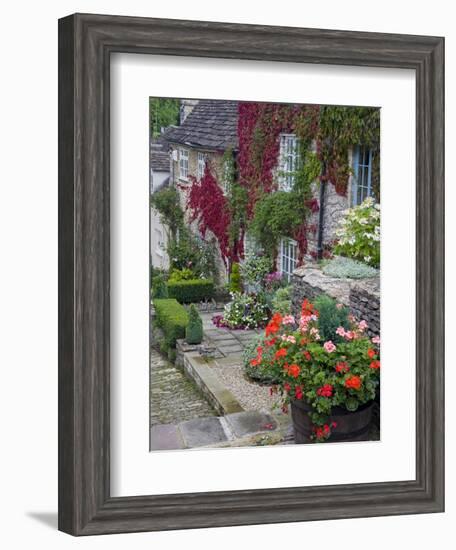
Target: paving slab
[
  {"x": 230, "y": 349},
  {"x": 165, "y": 437},
  {"x": 202, "y": 431},
  {"x": 244, "y": 423}
]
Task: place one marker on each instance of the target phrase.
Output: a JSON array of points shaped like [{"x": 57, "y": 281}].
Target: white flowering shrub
[{"x": 358, "y": 233}]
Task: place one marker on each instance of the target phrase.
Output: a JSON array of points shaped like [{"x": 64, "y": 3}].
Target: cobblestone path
[{"x": 173, "y": 397}]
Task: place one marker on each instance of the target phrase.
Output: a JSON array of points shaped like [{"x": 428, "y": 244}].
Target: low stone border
[{"x": 200, "y": 370}]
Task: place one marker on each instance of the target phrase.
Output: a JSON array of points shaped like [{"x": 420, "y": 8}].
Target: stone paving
[
  {"x": 228, "y": 342},
  {"x": 250, "y": 428},
  {"x": 173, "y": 397}
]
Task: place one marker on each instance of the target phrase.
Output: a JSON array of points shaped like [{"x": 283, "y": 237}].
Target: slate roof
[
  {"x": 159, "y": 159},
  {"x": 212, "y": 125},
  {"x": 159, "y": 152}
]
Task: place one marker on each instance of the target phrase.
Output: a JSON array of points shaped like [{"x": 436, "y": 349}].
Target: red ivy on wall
[{"x": 209, "y": 207}]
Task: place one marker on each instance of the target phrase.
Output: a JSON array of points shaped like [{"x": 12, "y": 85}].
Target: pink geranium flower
[
  {"x": 340, "y": 331},
  {"x": 329, "y": 346},
  {"x": 376, "y": 340},
  {"x": 288, "y": 320},
  {"x": 362, "y": 325}
]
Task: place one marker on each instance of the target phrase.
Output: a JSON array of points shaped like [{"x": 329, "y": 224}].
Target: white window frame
[
  {"x": 288, "y": 258},
  {"x": 159, "y": 250},
  {"x": 183, "y": 163},
  {"x": 288, "y": 161},
  {"x": 202, "y": 159}
]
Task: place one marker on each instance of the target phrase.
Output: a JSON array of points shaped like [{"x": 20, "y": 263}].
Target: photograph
[{"x": 264, "y": 273}]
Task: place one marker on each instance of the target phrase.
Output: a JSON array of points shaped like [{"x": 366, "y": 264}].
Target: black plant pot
[{"x": 351, "y": 426}]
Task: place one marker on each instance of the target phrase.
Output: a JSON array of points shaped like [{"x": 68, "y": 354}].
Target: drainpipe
[{"x": 321, "y": 214}]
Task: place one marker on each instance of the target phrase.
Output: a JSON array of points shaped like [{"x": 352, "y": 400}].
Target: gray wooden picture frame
[{"x": 85, "y": 45}]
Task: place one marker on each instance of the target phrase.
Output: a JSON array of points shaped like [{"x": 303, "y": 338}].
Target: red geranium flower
[
  {"x": 298, "y": 392},
  {"x": 325, "y": 390},
  {"x": 287, "y": 387},
  {"x": 342, "y": 367},
  {"x": 354, "y": 382},
  {"x": 307, "y": 355},
  {"x": 371, "y": 353},
  {"x": 280, "y": 353},
  {"x": 375, "y": 364},
  {"x": 271, "y": 342}
]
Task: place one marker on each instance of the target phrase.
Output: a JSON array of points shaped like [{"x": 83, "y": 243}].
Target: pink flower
[
  {"x": 340, "y": 331},
  {"x": 362, "y": 325},
  {"x": 329, "y": 346},
  {"x": 288, "y": 320},
  {"x": 290, "y": 338},
  {"x": 314, "y": 332},
  {"x": 376, "y": 340},
  {"x": 349, "y": 335}
]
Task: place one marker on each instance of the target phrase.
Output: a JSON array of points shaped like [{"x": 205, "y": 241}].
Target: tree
[{"x": 163, "y": 112}]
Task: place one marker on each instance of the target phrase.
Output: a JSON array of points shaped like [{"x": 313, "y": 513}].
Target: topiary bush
[
  {"x": 172, "y": 318},
  {"x": 235, "y": 278},
  {"x": 346, "y": 268},
  {"x": 331, "y": 316},
  {"x": 192, "y": 290},
  {"x": 194, "y": 328},
  {"x": 159, "y": 288}
]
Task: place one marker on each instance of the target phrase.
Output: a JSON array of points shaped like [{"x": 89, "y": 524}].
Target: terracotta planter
[{"x": 351, "y": 426}]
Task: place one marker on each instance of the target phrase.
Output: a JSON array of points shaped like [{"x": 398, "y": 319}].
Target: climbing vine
[{"x": 252, "y": 200}]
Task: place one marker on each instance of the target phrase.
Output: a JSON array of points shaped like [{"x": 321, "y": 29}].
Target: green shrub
[
  {"x": 159, "y": 288},
  {"x": 184, "y": 274},
  {"x": 359, "y": 233},
  {"x": 342, "y": 268},
  {"x": 194, "y": 329},
  {"x": 331, "y": 315},
  {"x": 259, "y": 373},
  {"x": 255, "y": 268},
  {"x": 281, "y": 301},
  {"x": 235, "y": 278},
  {"x": 246, "y": 311},
  {"x": 193, "y": 290},
  {"x": 172, "y": 318}
]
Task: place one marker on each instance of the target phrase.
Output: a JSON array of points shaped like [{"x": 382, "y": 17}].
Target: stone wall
[{"x": 362, "y": 296}]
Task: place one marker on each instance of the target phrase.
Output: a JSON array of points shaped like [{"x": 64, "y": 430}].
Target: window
[
  {"x": 183, "y": 164},
  {"x": 201, "y": 165},
  {"x": 362, "y": 175},
  {"x": 288, "y": 161},
  {"x": 160, "y": 243},
  {"x": 288, "y": 257},
  {"x": 227, "y": 176}
]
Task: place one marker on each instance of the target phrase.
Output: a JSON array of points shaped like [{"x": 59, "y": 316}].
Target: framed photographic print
[{"x": 250, "y": 274}]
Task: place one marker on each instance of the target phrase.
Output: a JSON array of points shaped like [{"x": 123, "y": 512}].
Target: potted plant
[{"x": 327, "y": 370}]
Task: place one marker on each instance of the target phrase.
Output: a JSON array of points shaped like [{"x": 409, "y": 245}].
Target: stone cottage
[{"x": 210, "y": 127}]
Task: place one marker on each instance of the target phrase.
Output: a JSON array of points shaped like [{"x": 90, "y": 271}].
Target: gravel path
[{"x": 252, "y": 396}]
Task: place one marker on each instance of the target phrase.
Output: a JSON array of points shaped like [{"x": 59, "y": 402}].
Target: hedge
[
  {"x": 172, "y": 318},
  {"x": 191, "y": 290}
]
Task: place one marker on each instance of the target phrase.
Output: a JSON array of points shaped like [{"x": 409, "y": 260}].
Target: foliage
[
  {"x": 332, "y": 315},
  {"x": 167, "y": 203},
  {"x": 346, "y": 268},
  {"x": 193, "y": 253},
  {"x": 158, "y": 287},
  {"x": 281, "y": 301},
  {"x": 163, "y": 112},
  {"x": 323, "y": 373},
  {"x": 261, "y": 373},
  {"x": 209, "y": 207},
  {"x": 359, "y": 233},
  {"x": 172, "y": 318},
  {"x": 194, "y": 329},
  {"x": 235, "y": 278},
  {"x": 183, "y": 274},
  {"x": 245, "y": 311},
  {"x": 193, "y": 290},
  {"x": 255, "y": 268}
]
